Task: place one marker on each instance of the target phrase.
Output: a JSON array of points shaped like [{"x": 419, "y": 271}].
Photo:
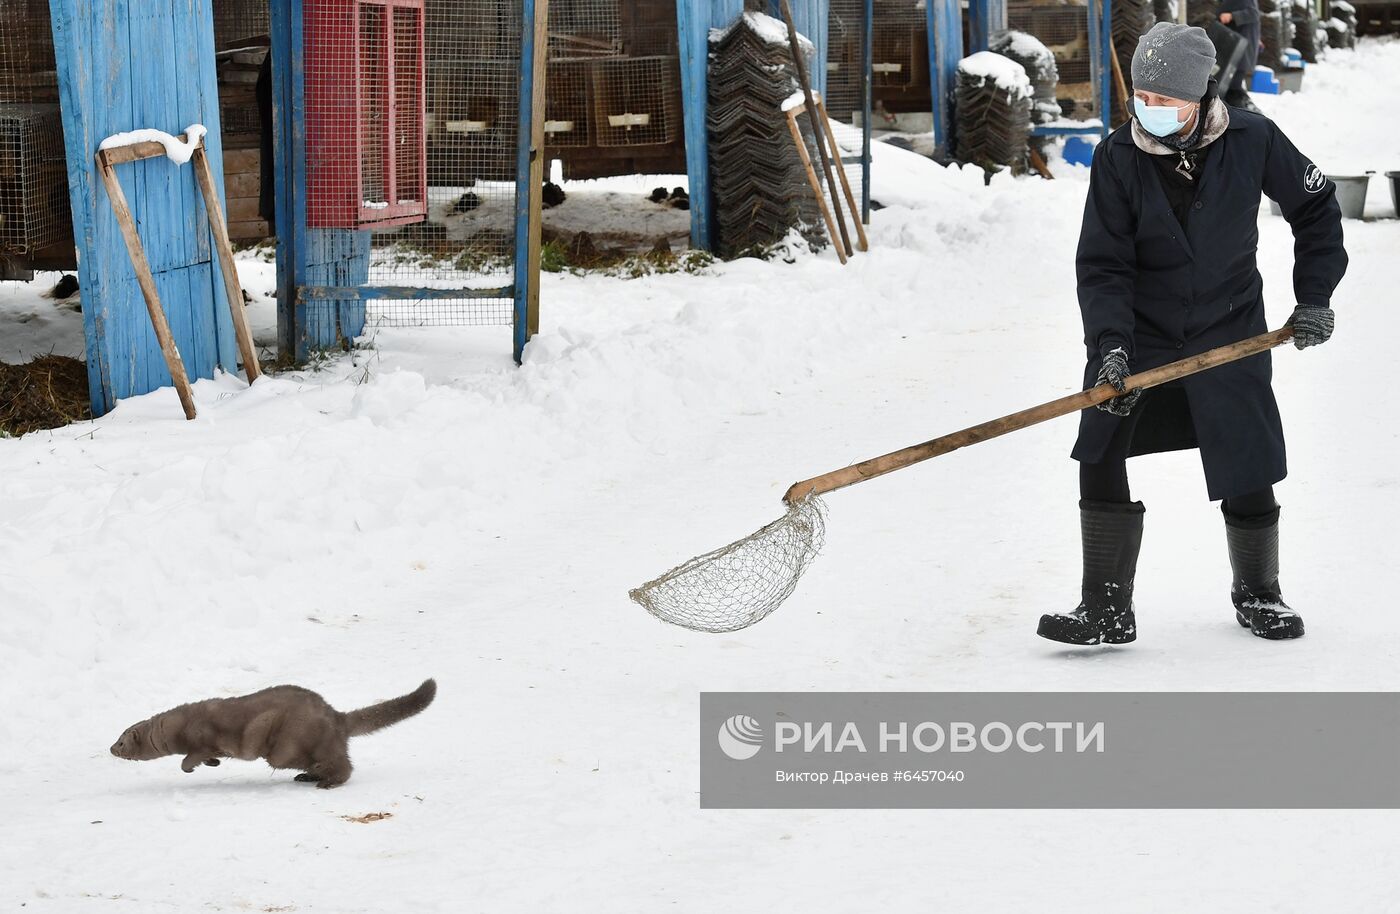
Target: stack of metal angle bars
[
  {"x": 992, "y": 123},
  {"x": 760, "y": 186}
]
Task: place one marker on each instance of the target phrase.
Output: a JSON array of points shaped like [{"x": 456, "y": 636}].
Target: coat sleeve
[
  {"x": 1242, "y": 12},
  {"x": 1106, "y": 262},
  {"x": 1309, "y": 203}
]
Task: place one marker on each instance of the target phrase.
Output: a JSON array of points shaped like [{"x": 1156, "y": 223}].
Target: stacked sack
[
  {"x": 992, "y": 106},
  {"x": 759, "y": 184}
]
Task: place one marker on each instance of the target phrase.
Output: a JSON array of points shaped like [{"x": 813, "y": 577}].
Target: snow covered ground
[{"x": 432, "y": 510}]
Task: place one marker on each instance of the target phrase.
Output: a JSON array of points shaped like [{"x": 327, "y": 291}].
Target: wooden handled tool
[
  {"x": 898, "y": 460},
  {"x": 800, "y": 63}
]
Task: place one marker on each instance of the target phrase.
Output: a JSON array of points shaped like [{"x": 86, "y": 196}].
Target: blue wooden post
[
  {"x": 984, "y": 19},
  {"x": 694, "y": 19},
  {"x": 125, "y": 65},
  {"x": 944, "y": 52}
]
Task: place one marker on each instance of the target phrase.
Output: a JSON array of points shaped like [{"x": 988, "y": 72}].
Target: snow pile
[
  {"x": 178, "y": 151},
  {"x": 1005, "y": 73},
  {"x": 1026, "y": 45},
  {"x": 767, "y": 28}
]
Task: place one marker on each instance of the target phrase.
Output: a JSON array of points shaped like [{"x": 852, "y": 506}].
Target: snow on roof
[{"x": 1005, "y": 72}]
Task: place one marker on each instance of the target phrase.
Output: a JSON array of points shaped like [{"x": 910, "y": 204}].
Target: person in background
[
  {"x": 1242, "y": 16},
  {"x": 1166, "y": 269}
]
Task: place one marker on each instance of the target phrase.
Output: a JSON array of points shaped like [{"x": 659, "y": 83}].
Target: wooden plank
[
  {"x": 243, "y": 209},
  {"x": 237, "y": 314},
  {"x": 173, "y": 362},
  {"x": 252, "y": 230},
  {"x": 831, "y": 231},
  {"x": 242, "y": 184},
  {"x": 532, "y": 295},
  {"x": 840, "y": 168},
  {"x": 242, "y": 159}
]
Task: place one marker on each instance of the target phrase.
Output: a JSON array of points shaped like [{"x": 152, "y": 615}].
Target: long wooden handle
[
  {"x": 800, "y": 63},
  {"x": 232, "y": 288},
  {"x": 898, "y": 460},
  {"x": 840, "y": 168}
]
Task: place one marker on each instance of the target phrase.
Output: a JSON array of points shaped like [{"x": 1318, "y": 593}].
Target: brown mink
[{"x": 289, "y": 726}]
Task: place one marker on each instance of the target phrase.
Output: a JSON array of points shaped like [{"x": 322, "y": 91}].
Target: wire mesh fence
[
  {"x": 1064, "y": 29},
  {"x": 845, "y": 40},
  {"x": 899, "y": 58},
  {"x": 240, "y": 23},
  {"x": 411, "y": 118},
  {"x": 34, "y": 207},
  {"x": 614, "y": 104}
]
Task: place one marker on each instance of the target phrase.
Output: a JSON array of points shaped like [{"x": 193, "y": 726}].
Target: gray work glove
[
  {"x": 1114, "y": 370},
  {"x": 1312, "y": 325}
]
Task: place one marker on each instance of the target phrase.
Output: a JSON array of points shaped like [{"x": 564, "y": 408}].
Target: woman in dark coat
[
  {"x": 1166, "y": 267},
  {"x": 1242, "y": 16}
]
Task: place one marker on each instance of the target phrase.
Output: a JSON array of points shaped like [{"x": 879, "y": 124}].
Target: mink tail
[{"x": 388, "y": 713}]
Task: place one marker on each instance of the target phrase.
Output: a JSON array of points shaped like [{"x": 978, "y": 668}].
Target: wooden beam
[
  {"x": 232, "y": 287},
  {"x": 401, "y": 293}
]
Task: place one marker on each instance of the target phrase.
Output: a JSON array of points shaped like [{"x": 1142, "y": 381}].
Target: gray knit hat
[{"x": 1174, "y": 60}]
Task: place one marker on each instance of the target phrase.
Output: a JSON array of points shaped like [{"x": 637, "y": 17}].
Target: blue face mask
[{"x": 1158, "y": 120}]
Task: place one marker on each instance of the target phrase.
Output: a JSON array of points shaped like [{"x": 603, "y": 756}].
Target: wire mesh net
[
  {"x": 740, "y": 584},
  {"x": 34, "y": 206},
  {"x": 411, "y": 114}
]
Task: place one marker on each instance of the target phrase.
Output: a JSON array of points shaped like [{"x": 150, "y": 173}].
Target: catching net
[{"x": 735, "y": 586}]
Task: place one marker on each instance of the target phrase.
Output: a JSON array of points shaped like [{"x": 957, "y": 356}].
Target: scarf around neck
[{"x": 1208, "y": 129}]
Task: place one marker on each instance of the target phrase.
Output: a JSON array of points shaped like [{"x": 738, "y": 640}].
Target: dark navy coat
[{"x": 1163, "y": 293}]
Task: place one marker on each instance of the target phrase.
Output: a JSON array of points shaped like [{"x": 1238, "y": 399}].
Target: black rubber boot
[
  {"x": 1258, "y": 599},
  {"x": 1112, "y": 536}
]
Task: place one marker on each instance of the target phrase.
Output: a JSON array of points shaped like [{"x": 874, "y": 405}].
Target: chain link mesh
[{"x": 742, "y": 583}]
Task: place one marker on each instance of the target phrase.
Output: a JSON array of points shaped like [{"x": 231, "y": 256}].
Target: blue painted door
[{"x": 126, "y": 65}]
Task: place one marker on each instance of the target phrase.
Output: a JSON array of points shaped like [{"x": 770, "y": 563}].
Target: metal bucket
[
  {"x": 1394, "y": 177},
  {"x": 1351, "y": 194},
  {"x": 1290, "y": 79}
]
